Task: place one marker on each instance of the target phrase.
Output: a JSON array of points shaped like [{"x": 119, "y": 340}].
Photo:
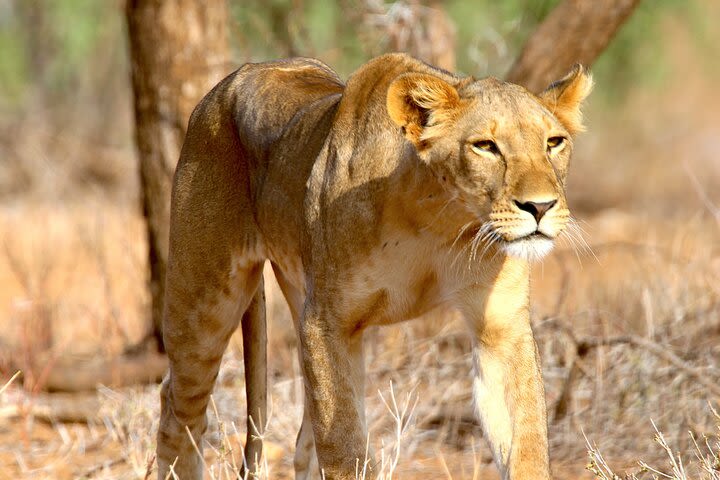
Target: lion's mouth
[
  {"x": 536, "y": 234},
  {"x": 531, "y": 247}
]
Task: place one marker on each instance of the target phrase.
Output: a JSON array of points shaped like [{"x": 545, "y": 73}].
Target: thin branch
[
  {"x": 656, "y": 349},
  {"x": 584, "y": 345}
]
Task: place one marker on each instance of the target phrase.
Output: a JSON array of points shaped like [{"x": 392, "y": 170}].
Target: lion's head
[{"x": 500, "y": 150}]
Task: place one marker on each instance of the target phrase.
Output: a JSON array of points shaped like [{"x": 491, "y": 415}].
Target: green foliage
[
  {"x": 635, "y": 56},
  {"x": 13, "y": 67},
  {"x": 48, "y": 45},
  {"x": 75, "y": 29},
  {"x": 326, "y": 29},
  {"x": 490, "y": 33}
]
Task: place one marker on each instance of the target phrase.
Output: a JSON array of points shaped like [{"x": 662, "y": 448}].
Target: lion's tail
[{"x": 254, "y": 335}]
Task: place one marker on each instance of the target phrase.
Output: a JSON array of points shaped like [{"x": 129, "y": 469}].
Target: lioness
[{"x": 406, "y": 189}]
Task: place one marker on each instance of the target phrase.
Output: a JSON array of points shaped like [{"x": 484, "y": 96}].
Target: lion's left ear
[
  {"x": 565, "y": 96},
  {"x": 420, "y": 103}
]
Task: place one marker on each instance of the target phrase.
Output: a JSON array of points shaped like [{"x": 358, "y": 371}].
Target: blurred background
[{"x": 628, "y": 325}]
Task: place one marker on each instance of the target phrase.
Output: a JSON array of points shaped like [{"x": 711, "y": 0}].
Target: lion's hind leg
[
  {"x": 214, "y": 270},
  {"x": 196, "y": 335}
]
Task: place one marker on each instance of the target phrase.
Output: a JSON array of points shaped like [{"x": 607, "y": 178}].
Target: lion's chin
[{"x": 531, "y": 248}]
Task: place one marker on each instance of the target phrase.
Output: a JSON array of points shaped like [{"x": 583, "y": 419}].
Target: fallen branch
[
  {"x": 98, "y": 469},
  {"x": 120, "y": 372},
  {"x": 583, "y": 346},
  {"x": 56, "y": 408}
]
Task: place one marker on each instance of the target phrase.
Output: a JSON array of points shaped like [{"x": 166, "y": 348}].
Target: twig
[
  {"x": 587, "y": 344},
  {"x": 149, "y": 466},
  {"x": 7, "y": 384},
  {"x": 562, "y": 406},
  {"x": 702, "y": 193},
  {"x": 583, "y": 346},
  {"x": 99, "y": 468}
]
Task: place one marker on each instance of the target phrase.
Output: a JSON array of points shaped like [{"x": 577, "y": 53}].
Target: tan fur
[{"x": 375, "y": 201}]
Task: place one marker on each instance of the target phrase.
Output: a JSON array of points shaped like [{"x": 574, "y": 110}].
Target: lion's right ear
[
  {"x": 564, "y": 97},
  {"x": 419, "y": 103}
]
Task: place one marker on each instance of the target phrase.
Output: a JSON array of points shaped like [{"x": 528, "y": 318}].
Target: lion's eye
[
  {"x": 555, "y": 142},
  {"x": 485, "y": 146}
]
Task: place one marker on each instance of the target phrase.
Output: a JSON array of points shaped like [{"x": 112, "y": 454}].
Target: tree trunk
[
  {"x": 179, "y": 51},
  {"x": 576, "y": 31}
]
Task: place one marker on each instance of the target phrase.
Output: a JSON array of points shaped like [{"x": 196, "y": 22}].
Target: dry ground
[
  {"x": 647, "y": 282},
  {"x": 633, "y": 321}
]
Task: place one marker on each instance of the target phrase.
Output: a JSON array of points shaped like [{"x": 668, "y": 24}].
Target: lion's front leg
[
  {"x": 508, "y": 387},
  {"x": 510, "y": 401},
  {"x": 334, "y": 390}
]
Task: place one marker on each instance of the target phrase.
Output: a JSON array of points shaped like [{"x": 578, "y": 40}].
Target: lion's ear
[
  {"x": 565, "y": 96},
  {"x": 417, "y": 102}
]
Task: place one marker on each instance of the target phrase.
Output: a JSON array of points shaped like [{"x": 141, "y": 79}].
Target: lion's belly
[
  {"x": 394, "y": 283},
  {"x": 399, "y": 281}
]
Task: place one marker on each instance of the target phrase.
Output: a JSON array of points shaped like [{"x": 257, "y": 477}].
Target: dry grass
[
  {"x": 645, "y": 284},
  {"x": 628, "y": 334}
]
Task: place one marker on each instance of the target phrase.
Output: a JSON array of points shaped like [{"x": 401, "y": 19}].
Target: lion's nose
[{"x": 536, "y": 209}]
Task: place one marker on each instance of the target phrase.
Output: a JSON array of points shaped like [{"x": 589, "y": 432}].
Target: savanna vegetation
[{"x": 628, "y": 318}]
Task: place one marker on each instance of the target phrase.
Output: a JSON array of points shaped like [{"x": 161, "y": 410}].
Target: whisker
[
  {"x": 477, "y": 239},
  {"x": 457, "y": 256},
  {"x": 578, "y": 243},
  {"x": 578, "y": 240},
  {"x": 497, "y": 250},
  {"x": 468, "y": 244},
  {"x": 489, "y": 243},
  {"x": 569, "y": 237},
  {"x": 575, "y": 226},
  {"x": 462, "y": 230},
  {"x": 481, "y": 236}
]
